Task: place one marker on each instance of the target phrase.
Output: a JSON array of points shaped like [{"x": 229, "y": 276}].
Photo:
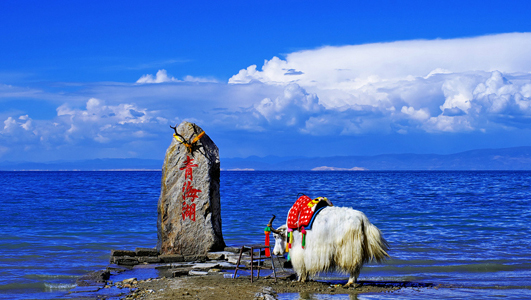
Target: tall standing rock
[{"x": 189, "y": 211}]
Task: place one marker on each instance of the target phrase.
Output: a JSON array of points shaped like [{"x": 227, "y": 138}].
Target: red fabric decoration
[
  {"x": 300, "y": 213},
  {"x": 267, "y": 231}
]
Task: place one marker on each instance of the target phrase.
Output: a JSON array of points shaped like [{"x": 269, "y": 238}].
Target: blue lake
[{"x": 471, "y": 230}]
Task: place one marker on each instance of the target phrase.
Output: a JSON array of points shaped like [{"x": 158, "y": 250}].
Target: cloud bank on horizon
[
  {"x": 438, "y": 85},
  {"x": 454, "y": 86}
]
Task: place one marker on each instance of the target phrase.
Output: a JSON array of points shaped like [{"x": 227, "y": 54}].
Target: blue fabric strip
[{"x": 313, "y": 218}]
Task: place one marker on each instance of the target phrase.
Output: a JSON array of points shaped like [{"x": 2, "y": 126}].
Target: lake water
[{"x": 467, "y": 230}]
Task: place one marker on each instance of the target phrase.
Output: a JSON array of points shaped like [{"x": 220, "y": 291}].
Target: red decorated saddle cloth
[{"x": 304, "y": 208}]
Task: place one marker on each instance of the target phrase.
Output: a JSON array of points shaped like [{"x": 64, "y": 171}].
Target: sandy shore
[
  {"x": 218, "y": 287},
  {"x": 210, "y": 277}
]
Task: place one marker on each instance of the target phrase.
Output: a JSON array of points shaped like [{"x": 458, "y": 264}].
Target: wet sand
[
  {"x": 212, "y": 279},
  {"x": 218, "y": 287}
]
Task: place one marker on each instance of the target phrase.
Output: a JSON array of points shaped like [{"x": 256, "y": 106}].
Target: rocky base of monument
[
  {"x": 151, "y": 256},
  {"x": 128, "y": 268},
  {"x": 131, "y": 275}
]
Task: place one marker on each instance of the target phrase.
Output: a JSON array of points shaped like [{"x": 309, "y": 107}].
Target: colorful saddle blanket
[{"x": 304, "y": 209}]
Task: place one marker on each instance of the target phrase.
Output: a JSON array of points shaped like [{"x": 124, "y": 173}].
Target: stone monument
[{"x": 189, "y": 210}]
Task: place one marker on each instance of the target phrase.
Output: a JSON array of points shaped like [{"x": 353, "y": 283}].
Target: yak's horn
[
  {"x": 270, "y": 225},
  {"x": 271, "y": 221}
]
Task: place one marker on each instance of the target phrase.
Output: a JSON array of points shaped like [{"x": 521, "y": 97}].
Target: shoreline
[
  {"x": 217, "y": 287},
  {"x": 206, "y": 277}
]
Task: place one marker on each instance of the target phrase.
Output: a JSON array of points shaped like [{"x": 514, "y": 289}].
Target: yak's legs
[
  {"x": 303, "y": 277},
  {"x": 301, "y": 271},
  {"x": 353, "y": 279},
  {"x": 351, "y": 282}
]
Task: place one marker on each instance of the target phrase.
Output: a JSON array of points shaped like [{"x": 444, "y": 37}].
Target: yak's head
[{"x": 280, "y": 235}]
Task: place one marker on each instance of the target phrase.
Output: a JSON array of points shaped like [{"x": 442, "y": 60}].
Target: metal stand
[{"x": 252, "y": 248}]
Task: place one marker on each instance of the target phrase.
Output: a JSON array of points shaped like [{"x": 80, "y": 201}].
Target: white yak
[{"x": 341, "y": 239}]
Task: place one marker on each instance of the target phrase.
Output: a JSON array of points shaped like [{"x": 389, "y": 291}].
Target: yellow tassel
[
  {"x": 291, "y": 238},
  {"x": 189, "y": 145},
  {"x": 287, "y": 244},
  {"x": 178, "y": 138},
  {"x": 198, "y": 137}
]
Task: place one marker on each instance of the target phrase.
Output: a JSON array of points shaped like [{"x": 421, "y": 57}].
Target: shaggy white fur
[{"x": 341, "y": 239}]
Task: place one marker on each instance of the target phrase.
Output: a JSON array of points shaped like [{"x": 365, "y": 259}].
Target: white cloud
[
  {"x": 355, "y": 66},
  {"x": 9, "y": 125},
  {"x": 96, "y": 123},
  {"x": 420, "y": 115},
  {"x": 102, "y": 122},
  {"x": 17, "y": 126},
  {"x": 480, "y": 84},
  {"x": 456, "y": 85},
  {"x": 442, "y": 102},
  {"x": 162, "y": 76},
  {"x": 291, "y": 108}
]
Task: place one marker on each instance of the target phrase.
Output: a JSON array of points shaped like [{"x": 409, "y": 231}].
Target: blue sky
[{"x": 101, "y": 79}]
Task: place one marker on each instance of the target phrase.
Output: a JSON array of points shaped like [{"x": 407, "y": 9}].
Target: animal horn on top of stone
[
  {"x": 190, "y": 145},
  {"x": 177, "y": 134}
]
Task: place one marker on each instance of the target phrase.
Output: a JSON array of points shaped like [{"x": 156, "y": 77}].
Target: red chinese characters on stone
[
  {"x": 189, "y": 192},
  {"x": 188, "y": 165},
  {"x": 188, "y": 211}
]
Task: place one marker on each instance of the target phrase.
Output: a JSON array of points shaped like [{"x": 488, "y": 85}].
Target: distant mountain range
[
  {"x": 518, "y": 158},
  {"x": 85, "y": 165}
]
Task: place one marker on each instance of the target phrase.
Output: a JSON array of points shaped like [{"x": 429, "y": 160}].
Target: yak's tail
[{"x": 377, "y": 246}]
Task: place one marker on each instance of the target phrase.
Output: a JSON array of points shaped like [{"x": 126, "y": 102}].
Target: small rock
[
  {"x": 205, "y": 266},
  {"x": 170, "y": 258},
  {"x": 180, "y": 272},
  {"x": 146, "y": 252},
  {"x": 268, "y": 290},
  {"x": 129, "y": 281},
  {"x": 125, "y": 260},
  {"x": 122, "y": 253},
  {"x": 196, "y": 258},
  {"x": 226, "y": 265},
  {"x": 149, "y": 259},
  {"x": 113, "y": 268},
  {"x": 262, "y": 296},
  {"x": 197, "y": 273},
  {"x": 232, "y": 249},
  {"x": 233, "y": 259},
  {"x": 218, "y": 255}
]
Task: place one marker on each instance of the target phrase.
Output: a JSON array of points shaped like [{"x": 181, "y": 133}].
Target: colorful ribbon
[
  {"x": 267, "y": 231},
  {"x": 186, "y": 144}
]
